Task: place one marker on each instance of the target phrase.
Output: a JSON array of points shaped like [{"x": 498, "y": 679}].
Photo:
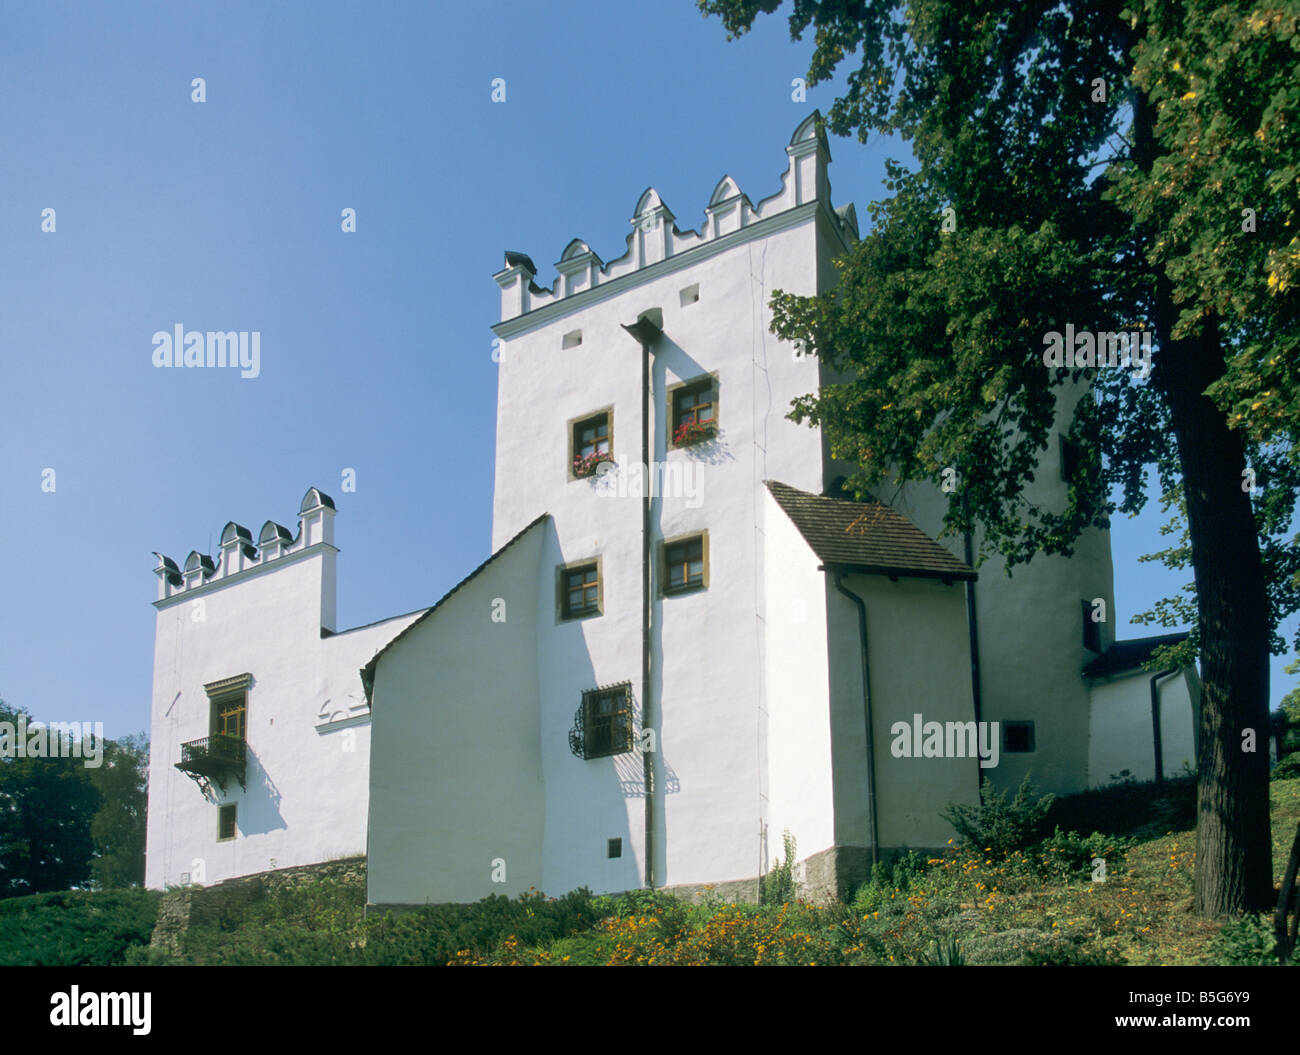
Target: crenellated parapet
[
  {"x": 238, "y": 553},
  {"x": 655, "y": 236}
]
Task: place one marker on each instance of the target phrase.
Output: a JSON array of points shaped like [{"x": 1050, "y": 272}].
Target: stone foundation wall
[{"x": 184, "y": 907}]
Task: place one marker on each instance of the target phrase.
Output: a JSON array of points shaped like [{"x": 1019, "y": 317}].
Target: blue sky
[{"x": 375, "y": 348}]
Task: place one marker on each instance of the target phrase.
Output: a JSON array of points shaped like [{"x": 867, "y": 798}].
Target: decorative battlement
[
  {"x": 237, "y": 553},
  {"x": 655, "y": 236}
]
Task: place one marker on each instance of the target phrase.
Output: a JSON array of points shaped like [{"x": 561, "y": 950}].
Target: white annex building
[{"x": 655, "y": 673}]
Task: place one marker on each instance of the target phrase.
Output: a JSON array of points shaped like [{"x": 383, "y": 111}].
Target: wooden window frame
[
  {"x": 562, "y": 612},
  {"x": 234, "y": 821},
  {"x": 681, "y": 388},
  {"x": 571, "y": 428},
  {"x": 665, "y": 587},
  {"x": 221, "y": 696}
]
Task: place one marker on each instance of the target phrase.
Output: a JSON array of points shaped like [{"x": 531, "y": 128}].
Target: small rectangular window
[
  {"x": 614, "y": 848},
  {"x": 580, "y": 590},
  {"x": 227, "y": 827},
  {"x": 1017, "y": 737},
  {"x": 685, "y": 564},
  {"x": 1069, "y": 458},
  {"x": 1091, "y": 628}
]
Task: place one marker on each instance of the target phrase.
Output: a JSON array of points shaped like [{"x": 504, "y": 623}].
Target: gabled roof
[
  {"x": 867, "y": 537},
  {"x": 368, "y": 671},
  {"x": 1129, "y": 655}
]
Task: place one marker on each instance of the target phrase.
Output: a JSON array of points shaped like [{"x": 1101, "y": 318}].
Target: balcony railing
[{"x": 214, "y": 758}]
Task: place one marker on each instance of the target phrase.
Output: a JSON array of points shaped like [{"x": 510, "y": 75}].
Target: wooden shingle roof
[{"x": 867, "y": 537}]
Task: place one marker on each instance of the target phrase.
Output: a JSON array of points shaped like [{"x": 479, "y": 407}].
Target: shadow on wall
[{"x": 259, "y": 807}]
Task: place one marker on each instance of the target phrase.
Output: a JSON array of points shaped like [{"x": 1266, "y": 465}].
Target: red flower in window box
[
  {"x": 587, "y": 466},
  {"x": 694, "y": 432}
]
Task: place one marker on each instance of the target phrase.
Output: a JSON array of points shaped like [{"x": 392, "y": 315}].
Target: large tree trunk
[
  {"x": 1234, "y": 852},
  {"x": 1234, "y": 860}
]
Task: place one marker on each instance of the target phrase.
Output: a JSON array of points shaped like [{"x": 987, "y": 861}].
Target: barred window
[{"x": 603, "y": 724}]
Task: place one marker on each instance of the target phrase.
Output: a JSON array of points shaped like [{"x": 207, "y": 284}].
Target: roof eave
[{"x": 956, "y": 575}]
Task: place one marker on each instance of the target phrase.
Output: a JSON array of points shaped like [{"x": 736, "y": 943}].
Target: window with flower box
[
  {"x": 591, "y": 442},
  {"x": 694, "y": 411}
]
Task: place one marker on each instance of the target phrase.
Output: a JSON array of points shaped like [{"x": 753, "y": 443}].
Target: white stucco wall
[
  {"x": 307, "y": 725},
  {"x": 1121, "y": 736},
  {"x": 456, "y": 793},
  {"x": 919, "y": 663},
  {"x": 1031, "y": 630},
  {"x": 800, "y": 781}
]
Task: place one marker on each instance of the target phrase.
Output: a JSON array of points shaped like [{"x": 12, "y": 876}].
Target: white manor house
[{"x": 655, "y": 675}]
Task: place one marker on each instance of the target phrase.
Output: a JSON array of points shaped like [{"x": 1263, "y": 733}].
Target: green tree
[
  {"x": 1289, "y": 710},
  {"x": 1096, "y": 158},
  {"x": 118, "y": 828},
  {"x": 46, "y": 807}
]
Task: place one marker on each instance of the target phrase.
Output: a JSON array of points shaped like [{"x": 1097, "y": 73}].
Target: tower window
[
  {"x": 1017, "y": 737},
  {"x": 686, "y": 563},
  {"x": 1069, "y": 458},
  {"x": 614, "y": 848},
  {"x": 1091, "y": 628},
  {"x": 580, "y": 590},
  {"x": 228, "y": 707},
  {"x": 591, "y": 441},
  {"x": 694, "y": 406},
  {"x": 603, "y": 724},
  {"x": 227, "y": 827}
]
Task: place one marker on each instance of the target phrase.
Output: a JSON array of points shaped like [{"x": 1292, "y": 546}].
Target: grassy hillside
[{"x": 1042, "y": 904}]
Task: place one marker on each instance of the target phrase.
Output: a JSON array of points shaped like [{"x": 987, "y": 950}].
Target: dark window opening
[
  {"x": 1091, "y": 629},
  {"x": 1018, "y": 737},
  {"x": 226, "y": 822}
]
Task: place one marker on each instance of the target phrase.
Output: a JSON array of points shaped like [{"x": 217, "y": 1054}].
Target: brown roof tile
[{"x": 867, "y": 536}]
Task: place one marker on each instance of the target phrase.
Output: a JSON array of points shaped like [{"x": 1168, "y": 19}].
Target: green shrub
[
  {"x": 999, "y": 826},
  {"x": 1288, "y": 768},
  {"x": 1141, "y": 810},
  {"x": 1245, "y": 942},
  {"x": 75, "y": 928},
  {"x": 888, "y": 878},
  {"x": 778, "y": 887},
  {"x": 434, "y": 935},
  {"x": 1069, "y": 854},
  {"x": 1026, "y": 947},
  {"x": 943, "y": 954},
  {"x": 640, "y": 902}
]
